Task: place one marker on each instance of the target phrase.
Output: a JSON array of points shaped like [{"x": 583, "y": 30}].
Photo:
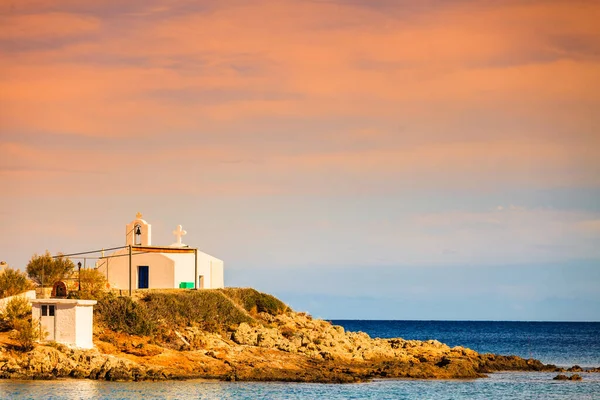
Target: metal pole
[
  {"x": 129, "y": 270},
  {"x": 195, "y": 268}
]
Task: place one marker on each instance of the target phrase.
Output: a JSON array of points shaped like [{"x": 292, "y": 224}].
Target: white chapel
[{"x": 140, "y": 265}]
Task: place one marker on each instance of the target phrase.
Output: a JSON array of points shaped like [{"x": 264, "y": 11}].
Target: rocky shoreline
[
  {"x": 294, "y": 348},
  {"x": 270, "y": 346}
]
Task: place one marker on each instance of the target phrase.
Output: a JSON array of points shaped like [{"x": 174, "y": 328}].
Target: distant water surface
[
  {"x": 500, "y": 386},
  {"x": 560, "y": 343}
]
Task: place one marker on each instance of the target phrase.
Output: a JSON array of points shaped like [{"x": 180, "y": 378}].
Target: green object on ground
[{"x": 186, "y": 285}]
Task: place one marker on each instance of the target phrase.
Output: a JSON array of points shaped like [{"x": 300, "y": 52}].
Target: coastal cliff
[{"x": 239, "y": 334}]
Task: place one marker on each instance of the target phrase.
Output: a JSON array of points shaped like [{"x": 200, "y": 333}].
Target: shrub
[
  {"x": 46, "y": 270},
  {"x": 92, "y": 280},
  {"x": 17, "y": 308},
  {"x": 157, "y": 313},
  {"x": 254, "y": 301},
  {"x": 207, "y": 308},
  {"x": 27, "y": 333},
  {"x": 122, "y": 314},
  {"x": 13, "y": 282}
]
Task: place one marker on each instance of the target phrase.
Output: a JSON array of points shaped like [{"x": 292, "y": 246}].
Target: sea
[{"x": 561, "y": 343}]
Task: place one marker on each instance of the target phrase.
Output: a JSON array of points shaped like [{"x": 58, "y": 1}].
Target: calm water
[
  {"x": 561, "y": 343},
  {"x": 498, "y": 386}
]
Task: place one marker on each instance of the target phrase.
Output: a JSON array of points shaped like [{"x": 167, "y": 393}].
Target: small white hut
[{"x": 67, "y": 321}]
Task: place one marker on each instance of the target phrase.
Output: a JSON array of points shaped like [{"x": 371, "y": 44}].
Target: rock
[
  {"x": 562, "y": 377},
  {"x": 287, "y": 347},
  {"x": 244, "y": 334},
  {"x": 575, "y": 368}
]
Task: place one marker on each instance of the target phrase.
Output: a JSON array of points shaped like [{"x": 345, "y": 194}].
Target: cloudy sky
[{"x": 391, "y": 159}]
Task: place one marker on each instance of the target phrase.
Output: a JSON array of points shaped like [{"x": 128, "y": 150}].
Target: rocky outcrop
[
  {"x": 45, "y": 362},
  {"x": 319, "y": 340},
  {"x": 286, "y": 347},
  {"x": 253, "y": 336},
  {"x": 561, "y": 377}
]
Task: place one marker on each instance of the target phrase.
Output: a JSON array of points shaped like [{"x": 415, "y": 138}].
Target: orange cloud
[
  {"x": 473, "y": 91},
  {"x": 45, "y": 27}
]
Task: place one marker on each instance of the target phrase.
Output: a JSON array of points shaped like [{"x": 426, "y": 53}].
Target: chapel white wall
[
  {"x": 184, "y": 267},
  {"x": 160, "y": 271},
  {"x": 211, "y": 268},
  {"x": 217, "y": 278}
]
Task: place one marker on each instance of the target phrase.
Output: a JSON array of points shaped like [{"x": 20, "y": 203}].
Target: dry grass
[
  {"x": 254, "y": 301},
  {"x": 159, "y": 312}
]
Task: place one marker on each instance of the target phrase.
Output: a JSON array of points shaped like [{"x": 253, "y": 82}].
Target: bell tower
[{"x": 138, "y": 232}]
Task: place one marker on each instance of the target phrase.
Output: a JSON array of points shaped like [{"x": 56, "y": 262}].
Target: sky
[{"x": 362, "y": 159}]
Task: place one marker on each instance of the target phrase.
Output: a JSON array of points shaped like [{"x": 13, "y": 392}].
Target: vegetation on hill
[
  {"x": 13, "y": 282},
  {"x": 17, "y": 309},
  {"x": 232, "y": 334},
  {"x": 91, "y": 280},
  {"x": 158, "y": 312},
  {"x": 16, "y": 318},
  {"x": 254, "y": 301}
]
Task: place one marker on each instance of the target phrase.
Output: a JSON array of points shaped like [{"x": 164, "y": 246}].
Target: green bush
[
  {"x": 254, "y": 301},
  {"x": 158, "y": 312},
  {"x": 122, "y": 314},
  {"x": 92, "y": 280},
  {"x": 46, "y": 270},
  {"x": 17, "y": 308},
  {"x": 13, "y": 282},
  {"x": 204, "y": 307},
  {"x": 93, "y": 286},
  {"x": 27, "y": 333}
]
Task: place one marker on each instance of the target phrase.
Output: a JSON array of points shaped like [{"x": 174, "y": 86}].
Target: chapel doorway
[
  {"x": 143, "y": 277},
  {"x": 200, "y": 281}
]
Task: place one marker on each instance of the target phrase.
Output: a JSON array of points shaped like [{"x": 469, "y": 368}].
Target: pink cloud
[
  {"x": 47, "y": 27},
  {"x": 433, "y": 89}
]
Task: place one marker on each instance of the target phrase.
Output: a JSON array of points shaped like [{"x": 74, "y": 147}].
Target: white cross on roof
[{"x": 179, "y": 233}]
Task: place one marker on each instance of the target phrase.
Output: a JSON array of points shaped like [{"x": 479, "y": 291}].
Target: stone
[{"x": 287, "y": 347}]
